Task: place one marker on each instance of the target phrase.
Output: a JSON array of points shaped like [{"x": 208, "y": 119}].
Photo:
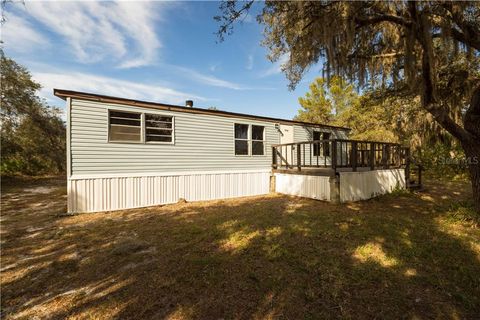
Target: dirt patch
[{"x": 396, "y": 256}]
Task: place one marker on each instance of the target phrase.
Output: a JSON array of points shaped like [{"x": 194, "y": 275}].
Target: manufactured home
[{"x": 124, "y": 153}]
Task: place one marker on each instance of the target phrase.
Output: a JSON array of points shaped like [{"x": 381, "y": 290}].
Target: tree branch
[
  {"x": 361, "y": 22},
  {"x": 473, "y": 42},
  {"x": 431, "y": 105}
]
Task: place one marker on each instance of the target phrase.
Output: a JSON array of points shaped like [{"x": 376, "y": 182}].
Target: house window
[
  {"x": 257, "y": 140},
  {"x": 158, "y": 128},
  {"x": 241, "y": 139},
  {"x": 125, "y": 126},
  {"x": 249, "y": 140},
  {"x": 317, "y": 135}
]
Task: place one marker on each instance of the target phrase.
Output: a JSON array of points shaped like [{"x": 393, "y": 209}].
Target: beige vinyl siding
[
  {"x": 305, "y": 133},
  {"x": 201, "y": 143}
]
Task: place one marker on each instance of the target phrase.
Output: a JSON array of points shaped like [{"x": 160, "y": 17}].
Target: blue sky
[{"x": 155, "y": 51}]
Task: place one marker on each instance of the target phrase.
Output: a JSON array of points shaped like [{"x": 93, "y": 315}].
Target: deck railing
[{"x": 339, "y": 153}]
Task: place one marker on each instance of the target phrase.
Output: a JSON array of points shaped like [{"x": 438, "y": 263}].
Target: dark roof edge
[{"x": 61, "y": 93}]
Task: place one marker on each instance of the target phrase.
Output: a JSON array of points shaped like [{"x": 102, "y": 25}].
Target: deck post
[
  {"x": 407, "y": 166},
  {"x": 387, "y": 156},
  {"x": 274, "y": 157},
  {"x": 384, "y": 156},
  {"x": 354, "y": 156},
  {"x": 334, "y": 159},
  {"x": 299, "y": 157},
  {"x": 372, "y": 155},
  {"x": 420, "y": 168},
  {"x": 334, "y": 188}
]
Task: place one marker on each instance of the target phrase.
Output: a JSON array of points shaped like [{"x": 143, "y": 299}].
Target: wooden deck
[{"x": 331, "y": 157}]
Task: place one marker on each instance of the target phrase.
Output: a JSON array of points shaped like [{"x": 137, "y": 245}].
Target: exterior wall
[
  {"x": 305, "y": 133},
  {"x": 356, "y": 186},
  {"x": 114, "y": 193},
  {"x": 202, "y": 142},
  {"x": 315, "y": 187}
]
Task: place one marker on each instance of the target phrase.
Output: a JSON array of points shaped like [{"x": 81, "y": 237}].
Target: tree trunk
[
  {"x": 472, "y": 146},
  {"x": 472, "y": 152}
]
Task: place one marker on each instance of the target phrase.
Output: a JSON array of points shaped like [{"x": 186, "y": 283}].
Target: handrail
[
  {"x": 339, "y": 140},
  {"x": 301, "y": 142},
  {"x": 340, "y": 153}
]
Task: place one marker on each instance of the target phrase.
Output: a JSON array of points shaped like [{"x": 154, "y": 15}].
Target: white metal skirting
[
  {"x": 315, "y": 187},
  {"x": 365, "y": 185},
  {"x": 115, "y": 193}
]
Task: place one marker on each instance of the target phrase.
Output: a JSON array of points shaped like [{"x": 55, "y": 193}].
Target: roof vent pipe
[{"x": 189, "y": 103}]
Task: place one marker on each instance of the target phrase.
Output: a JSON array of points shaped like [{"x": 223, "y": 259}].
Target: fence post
[
  {"x": 372, "y": 155},
  {"x": 299, "y": 157},
  {"x": 274, "y": 157},
  {"x": 354, "y": 156},
  {"x": 384, "y": 156},
  {"x": 334, "y": 155},
  {"x": 387, "y": 156},
  {"x": 407, "y": 166},
  {"x": 420, "y": 168}
]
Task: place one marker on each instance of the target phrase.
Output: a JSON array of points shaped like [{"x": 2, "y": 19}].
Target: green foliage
[
  {"x": 32, "y": 133},
  {"x": 327, "y": 100},
  {"x": 442, "y": 160},
  {"x": 316, "y": 107},
  {"x": 343, "y": 95},
  {"x": 368, "y": 121}
]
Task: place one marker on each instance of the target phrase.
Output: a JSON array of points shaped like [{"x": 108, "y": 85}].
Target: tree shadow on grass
[{"x": 261, "y": 257}]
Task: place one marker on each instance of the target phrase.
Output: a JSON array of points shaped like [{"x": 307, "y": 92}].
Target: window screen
[
  {"x": 158, "y": 128},
  {"x": 125, "y": 126},
  {"x": 241, "y": 139}
]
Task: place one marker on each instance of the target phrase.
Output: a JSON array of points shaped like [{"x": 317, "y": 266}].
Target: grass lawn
[{"x": 405, "y": 255}]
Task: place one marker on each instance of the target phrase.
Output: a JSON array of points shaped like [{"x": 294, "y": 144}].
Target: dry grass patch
[{"x": 399, "y": 256}]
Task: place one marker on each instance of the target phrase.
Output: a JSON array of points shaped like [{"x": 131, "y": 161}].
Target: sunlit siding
[
  {"x": 356, "y": 186},
  {"x": 202, "y": 143},
  {"x": 315, "y": 187},
  {"x": 114, "y": 193}
]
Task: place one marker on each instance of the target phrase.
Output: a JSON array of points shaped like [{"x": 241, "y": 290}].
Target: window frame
[
  {"x": 250, "y": 140},
  {"x": 158, "y": 142},
  {"x": 143, "y": 133},
  {"x": 126, "y": 141}
]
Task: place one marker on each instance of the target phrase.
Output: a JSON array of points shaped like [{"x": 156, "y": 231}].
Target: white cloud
[
  {"x": 249, "y": 65},
  {"x": 19, "y": 35},
  {"x": 214, "y": 66},
  {"x": 119, "y": 32},
  {"x": 78, "y": 81},
  {"x": 276, "y": 68},
  {"x": 211, "y": 80}
]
